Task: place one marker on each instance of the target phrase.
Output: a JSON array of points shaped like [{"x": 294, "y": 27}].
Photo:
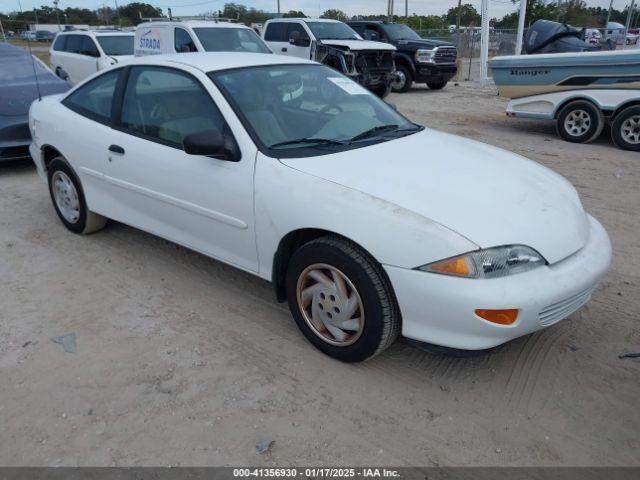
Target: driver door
[
  {"x": 302, "y": 48},
  {"x": 201, "y": 202}
]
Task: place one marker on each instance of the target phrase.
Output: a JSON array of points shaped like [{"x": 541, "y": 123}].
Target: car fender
[
  {"x": 404, "y": 57},
  {"x": 287, "y": 200}
]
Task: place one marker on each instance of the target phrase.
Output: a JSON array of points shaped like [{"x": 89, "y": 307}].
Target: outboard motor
[{"x": 545, "y": 36}]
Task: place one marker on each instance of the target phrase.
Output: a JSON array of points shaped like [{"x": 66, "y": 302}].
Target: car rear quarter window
[
  {"x": 276, "y": 32},
  {"x": 94, "y": 99},
  {"x": 60, "y": 44}
]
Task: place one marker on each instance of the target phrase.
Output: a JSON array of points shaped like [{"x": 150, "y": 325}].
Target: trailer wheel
[
  {"x": 625, "y": 129},
  {"x": 580, "y": 122}
]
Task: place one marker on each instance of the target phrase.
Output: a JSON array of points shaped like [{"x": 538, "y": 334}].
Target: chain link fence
[{"x": 467, "y": 41}]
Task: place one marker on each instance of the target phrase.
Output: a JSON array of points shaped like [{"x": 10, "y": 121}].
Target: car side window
[
  {"x": 165, "y": 105},
  {"x": 61, "y": 43},
  {"x": 296, "y": 27},
  {"x": 276, "y": 32},
  {"x": 371, "y": 33},
  {"x": 74, "y": 43},
  {"x": 94, "y": 99},
  {"x": 89, "y": 47},
  {"x": 183, "y": 42}
]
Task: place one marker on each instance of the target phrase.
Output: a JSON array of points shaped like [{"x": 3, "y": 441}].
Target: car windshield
[
  {"x": 332, "y": 31},
  {"x": 400, "y": 32},
  {"x": 230, "y": 40},
  {"x": 115, "y": 45},
  {"x": 300, "y": 110}
]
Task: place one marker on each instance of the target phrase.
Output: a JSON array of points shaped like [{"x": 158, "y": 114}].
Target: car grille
[
  {"x": 561, "y": 310},
  {"x": 375, "y": 62},
  {"x": 446, "y": 54}
]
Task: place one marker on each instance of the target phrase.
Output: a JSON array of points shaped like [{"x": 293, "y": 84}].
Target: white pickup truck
[{"x": 337, "y": 45}]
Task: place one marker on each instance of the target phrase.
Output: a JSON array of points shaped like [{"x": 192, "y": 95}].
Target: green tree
[
  {"x": 294, "y": 14},
  {"x": 469, "y": 16},
  {"x": 132, "y": 12},
  {"x": 335, "y": 14}
]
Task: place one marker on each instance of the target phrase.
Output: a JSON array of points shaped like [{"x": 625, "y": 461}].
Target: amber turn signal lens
[
  {"x": 501, "y": 317},
  {"x": 453, "y": 266}
]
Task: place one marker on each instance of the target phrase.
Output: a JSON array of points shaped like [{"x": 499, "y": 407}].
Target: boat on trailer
[{"x": 520, "y": 76}]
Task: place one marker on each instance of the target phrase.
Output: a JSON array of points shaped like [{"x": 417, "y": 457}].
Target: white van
[
  {"x": 183, "y": 36},
  {"x": 77, "y": 54}
]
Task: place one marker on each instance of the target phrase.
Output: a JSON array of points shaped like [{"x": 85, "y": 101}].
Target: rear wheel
[
  {"x": 625, "y": 129},
  {"x": 68, "y": 199},
  {"x": 437, "y": 85},
  {"x": 403, "y": 79},
  {"x": 580, "y": 122},
  {"x": 341, "y": 299}
]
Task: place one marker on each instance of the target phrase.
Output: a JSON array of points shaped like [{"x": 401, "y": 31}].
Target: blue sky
[{"x": 310, "y": 7}]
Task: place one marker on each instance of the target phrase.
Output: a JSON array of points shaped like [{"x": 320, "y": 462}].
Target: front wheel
[
  {"x": 381, "y": 90},
  {"x": 580, "y": 122},
  {"x": 341, "y": 299},
  {"x": 403, "y": 79},
  {"x": 625, "y": 129},
  {"x": 68, "y": 199},
  {"x": 437, "y": 85}
]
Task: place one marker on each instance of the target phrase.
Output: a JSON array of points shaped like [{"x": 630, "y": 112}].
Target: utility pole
[
  {"x": 118, "y": 13},
  {"x": 609, "y": 14},
  {"x": 278, "y": 7},
  {"x": 626, "y": 30},
  {"x": 406, "y": 8},
  {"x": 521, "y": 18},
  {"x": 55, "y": 5},
  {"x": 2, "y": 30},
  {"x": 459, "y": 16},
  {"x": 484, "y": 44}
]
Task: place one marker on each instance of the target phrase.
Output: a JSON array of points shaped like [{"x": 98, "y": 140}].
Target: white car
[
  {"x": 337, "y": 45},
  {"x": 185, "y": 36},
  {"x": 78, "y": 54},
  {"x": 368, "y": 224}
]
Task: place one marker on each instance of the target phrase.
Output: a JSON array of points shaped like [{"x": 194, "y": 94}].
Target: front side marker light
[
  {"x": 501, "y": 317},
  {"x": 458, "y": 266}
]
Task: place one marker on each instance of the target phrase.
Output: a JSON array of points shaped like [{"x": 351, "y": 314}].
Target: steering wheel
[{"x": 327, "y": 108}]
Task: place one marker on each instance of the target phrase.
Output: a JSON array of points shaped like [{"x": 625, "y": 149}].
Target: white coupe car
[{"x": 369, "y": 225}]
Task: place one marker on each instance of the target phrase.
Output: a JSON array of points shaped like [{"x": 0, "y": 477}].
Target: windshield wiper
[
  {"x": 372, "y": 132},
  {"x": 309, "y": 140}
]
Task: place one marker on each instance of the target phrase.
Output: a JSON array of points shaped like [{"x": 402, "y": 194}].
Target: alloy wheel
[
  {"x": 66, "y": 196},
  {"x": 577, "y": 123},
  {"x": 630, "y": 130}
]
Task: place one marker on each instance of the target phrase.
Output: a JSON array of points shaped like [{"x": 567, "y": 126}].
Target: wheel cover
[
  {"x": 630, "y": 130},
  {"x": 65, "y": 196},
  {"x": 399, "y": 81},
  {"x": 330, "y": 304},
  {"x": 577, "y": 123}
]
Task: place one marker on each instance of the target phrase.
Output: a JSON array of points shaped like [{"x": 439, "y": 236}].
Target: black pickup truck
[{"x": 417, "y": 59}]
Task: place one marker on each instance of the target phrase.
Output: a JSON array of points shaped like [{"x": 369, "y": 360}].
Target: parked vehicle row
[
  {"x": 369, "y": 225},
  {"x": 390, "y": 56}
]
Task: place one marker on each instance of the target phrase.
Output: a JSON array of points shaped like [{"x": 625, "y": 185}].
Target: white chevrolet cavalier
[{"x": 368, "y": 225}]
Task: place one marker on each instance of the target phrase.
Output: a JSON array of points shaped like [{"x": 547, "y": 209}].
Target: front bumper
[
  {"x": 433, "y": 72},
  {"x": 439, "y": 309}
]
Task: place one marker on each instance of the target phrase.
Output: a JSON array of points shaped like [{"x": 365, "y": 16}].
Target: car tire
[
  {"x": 69, "y": 201},
  {"x": 437, "y": 85},
  {"x": 625, "y": 129},
  {"x": 381, "y": 90},
  {"x": 404, "y": 79},
  {"x": 341, "y": 299},
  {"x": 580, "y": 122}
]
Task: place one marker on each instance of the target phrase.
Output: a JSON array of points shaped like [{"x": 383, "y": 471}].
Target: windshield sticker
[{"x": 349, "y": 86}]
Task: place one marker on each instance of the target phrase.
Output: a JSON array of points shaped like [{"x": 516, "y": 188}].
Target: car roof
[
  {"x": 215, "y": 61},
  {"x": 97, "y": 33},
  {"x": 192, "y": 24},
  {"x": 325, "y": 20}
]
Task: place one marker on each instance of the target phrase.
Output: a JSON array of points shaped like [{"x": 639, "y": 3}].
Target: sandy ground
[{"x": 184, "y": 361}]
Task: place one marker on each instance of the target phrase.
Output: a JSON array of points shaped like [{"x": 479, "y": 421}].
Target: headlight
[
  {"x": 425, "y": 56},
  {"x": 489, "y": 263}
]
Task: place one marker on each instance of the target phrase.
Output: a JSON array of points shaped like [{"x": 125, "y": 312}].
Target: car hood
[
  {"x": 359, "y": 45},
  {"x": 488, "y": 195},
  {"x": 424, "y": 44}
]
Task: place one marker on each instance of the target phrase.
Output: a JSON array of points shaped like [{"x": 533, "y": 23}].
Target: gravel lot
[{"x": 182, "y": 360}]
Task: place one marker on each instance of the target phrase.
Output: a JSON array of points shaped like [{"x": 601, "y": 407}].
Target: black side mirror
[{"x": 212, "y": 143}]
